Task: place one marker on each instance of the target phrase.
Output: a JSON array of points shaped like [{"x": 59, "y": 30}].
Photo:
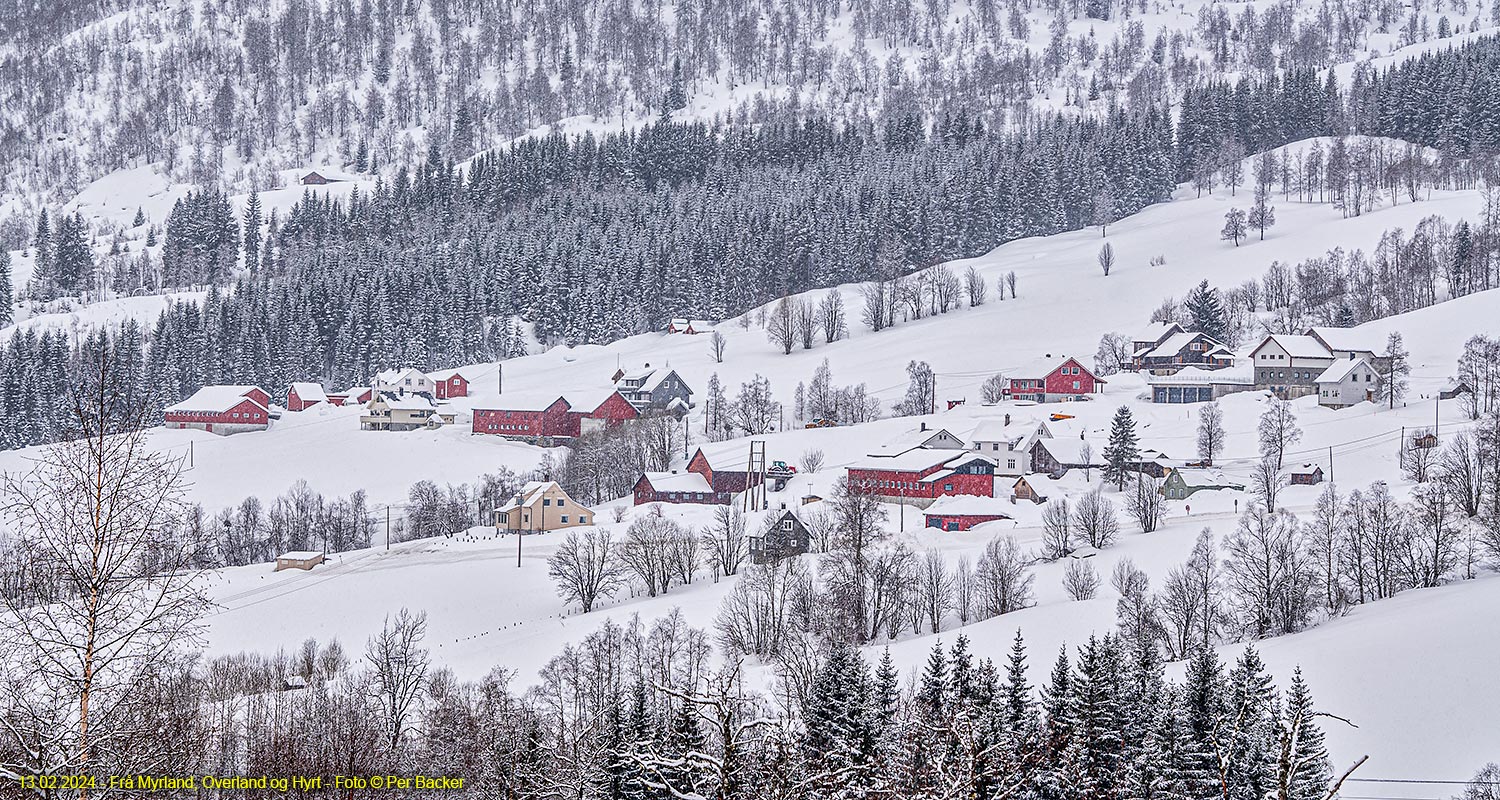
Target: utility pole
[
  {"x": 500, "y": 373},
  {"x": 190, "y": 454},
  {"x": 387, "y": 527},
  {"x": 1330, "y": 464}
]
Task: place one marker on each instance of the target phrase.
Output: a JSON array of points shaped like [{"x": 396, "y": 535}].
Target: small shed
[
  {"x": 1307, "y": 475},
  {"x": 299, "y": 559},
  {"x": 808, "y": 499},
  {"x": 1424, "y": 440},
  {"x": 1453, "y": 389},
  {"x": 1023, "y": 490},
  {"x": 314, "y": 179}
]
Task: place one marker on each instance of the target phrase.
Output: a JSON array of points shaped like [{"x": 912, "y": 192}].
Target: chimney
[
  {"x": 1007, "y": 419},
  {"x": 924, "y": 426},
  {"x": 783, "y": 506},
  {"x": 648, "y": 364}
]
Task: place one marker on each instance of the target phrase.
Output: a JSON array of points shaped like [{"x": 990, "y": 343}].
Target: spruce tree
[
  {"x": 1121, "y": 450},
  {"x": 1306, "y": 770},
  {"x": 7, "y": 291},
  {"x": 1205, "y": 312}
]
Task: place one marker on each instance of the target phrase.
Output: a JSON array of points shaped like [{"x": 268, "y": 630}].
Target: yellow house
[
  {"x": 392, "y": 412},
  {"x": 542, "y": 506}
]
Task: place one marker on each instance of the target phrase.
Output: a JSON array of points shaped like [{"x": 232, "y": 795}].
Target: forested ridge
[{"x": 594, "y": 238}]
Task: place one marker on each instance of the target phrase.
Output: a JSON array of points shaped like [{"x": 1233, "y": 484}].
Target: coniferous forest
[{"x": 440, "y": 265}]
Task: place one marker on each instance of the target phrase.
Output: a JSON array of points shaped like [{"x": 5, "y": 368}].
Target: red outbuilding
[
  {"x": 539, "y": 417},
  {"x": 222, "y": 410},
  {"x": 962, "y": 513},
  {"x": 1051, "y": 380},
  {"x": 302, "y": 396},
  {"x": 449, "y": 383}
]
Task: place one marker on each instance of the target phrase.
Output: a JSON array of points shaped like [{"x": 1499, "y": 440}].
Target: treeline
[{"x": 638, "y": 711}]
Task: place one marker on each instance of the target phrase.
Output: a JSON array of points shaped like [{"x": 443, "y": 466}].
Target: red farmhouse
[
  {"x": 1050, "y": 380},
  {"x": 719, "y": 478},
  {"x": 449, "y": 383},
  {"x": 923, "y": 475},
  {"x": 559, "y": 418},
  {"x": 222, "y": 410}
]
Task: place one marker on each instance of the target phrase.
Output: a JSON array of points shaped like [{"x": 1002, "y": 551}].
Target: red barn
[
  {"x": 222, "y": 410},
  {"x": 677, "y": 487},
  {"x": 449, "y": 383},
  {"x": 923, "y": 475},
  {"x": 528, "y": 420},
  {"x": 302, "y": 396},
  {"x": 1050, "y": 380},
  {"x": 961, "y": 513},
  {"x": 596, "y": 410}
]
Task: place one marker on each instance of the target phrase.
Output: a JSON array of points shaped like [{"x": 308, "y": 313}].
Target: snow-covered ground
[{"x": 1407, "y": 671}]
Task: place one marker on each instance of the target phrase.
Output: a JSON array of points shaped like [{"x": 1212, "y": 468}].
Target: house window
[
  {"x": 786, "y": 524},
  {"x": 559, "y": 502},
  {"x": 947, "y": 487},
  {"x": 565, "y": 519},
  {"x": 583, "y": 519},
  {"x": 546, "y": 501}
]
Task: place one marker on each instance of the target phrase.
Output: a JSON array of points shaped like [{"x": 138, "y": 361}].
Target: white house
[
  {"x": 404, "y": 380},
  {"x": 1346, "y": 382},
  {"x": 1008, "y": 443},
  {"x": 1288, "y": 365}
]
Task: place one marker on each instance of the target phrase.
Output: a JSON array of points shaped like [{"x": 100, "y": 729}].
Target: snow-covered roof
[
  {"x": 1039, "y": 367},
  {"x": 392, "y": 376},
  {"x": 447, "y": 374},
  {"x": 1298, "y": 346},
  {"x": 309, "y": 391},
  {"x": 215, "y": 399},
  {"x": 587, "y": 400},
  {"x": 918, "y": 459},
  {"x": 678, "y": 482},
  {"x": 406, "y": 402},
  {"x": 1178, "y": 342},
  {"x": 1156, "y": 331},
  {"x": 914, "y": 438},
  {"x": 1305, "y": 469},
  {"x": 1339, "y": 370},
  {"x": 1206, "y": 478},
  {"x": 1348, "y": 339},
  {"x": 1231, "y": 376},
  {"x": 527, "y": 401},
  {"x": 968, "y": 505},
  {"x": 1070, "y": 450},
  {"x": 301, "y": 555},
  {"x": 530, "y": 493},
  {"x": 356, "y": 391}
]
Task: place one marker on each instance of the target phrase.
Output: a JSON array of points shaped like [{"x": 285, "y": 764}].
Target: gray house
[
  {"x": 651, "y": 388},
  {"x": 783, "y": 537}
]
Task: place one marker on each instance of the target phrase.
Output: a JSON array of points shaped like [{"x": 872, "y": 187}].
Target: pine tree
[
  {"x": 140, "y": 217},
  {"x": 252, "y": 223},
  {"x": 43, "y": 281},
  {"x": 1248, "y": 733},
  {"x": 1121, "y": 450},
  {"x": 1205, "y": 312}
]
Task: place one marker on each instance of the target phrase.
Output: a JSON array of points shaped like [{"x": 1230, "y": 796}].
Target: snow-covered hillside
[{"x": 485, "y": 611}]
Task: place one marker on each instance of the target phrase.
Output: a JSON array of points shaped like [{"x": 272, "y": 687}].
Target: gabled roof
[
  {"x": 1156, "y": 331},
  {"x": 1197, "y": 376},
  {"x": 1339, "y": 370},
  {"x": 530, "y": 493},
  {"x": 1069, "y": 450},
  {"x": 587, "y": 401},
  {"x": 1178, "y": 342},
  {"x": 447, "y": 374},
  {"x": 395, "y": 375},
  {"x": 309, "y": 391},
  {"x": 410, "y": 401},
  {"x": 677, "y": 482},
  {"x": 526, "y": 401},
  {"x": 913, "y": 439},
  {"x": 918, "y": 459},
  {"x": 1296, "y": 346},
  {"x": 215, "y": 400},
  {"x": 1346, "y": 339},
  {"x": 1306, "y": 469},
  {"x": 1205, "y": 479},
  {"x": 1042, "y": 367},
  {"x": 968, "y": 505}
]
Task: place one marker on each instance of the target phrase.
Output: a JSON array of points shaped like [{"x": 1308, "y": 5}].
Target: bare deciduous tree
[
  {"x": 1145, "y": 502},
  {"x": 1003, "y": 577},
  {"x": 586, "y": 568},
  {"x": 936, "y": 585},
  {"x": 781, "y": 327},
  {"x": 716, "y": 345},
  {"x": 1080, "y": 580},
  {"x": 1095, "y": 520},
  {"x": 975, "y": 286},
  {"x": 812, "y": 460},
  {"x": 724, "y": 540},
  {"x": 1107, "y": 258},
  {"x": 806, "y": 323},
  {"x": 831, "y": 317},
  {"x": 400, "y": 665},
  {"x": 1057, "y": 529}
]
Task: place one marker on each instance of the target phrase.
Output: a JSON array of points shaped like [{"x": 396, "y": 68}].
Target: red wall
[
  {"x": 965, "y": 521},
  {"x": 455, "y": 386},
  {"x": 1058, "y": 383},
  {"x": 250, "y": 414},
  {"x": 259, "y": 395},
  {"x": 553, "y": 421}
]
